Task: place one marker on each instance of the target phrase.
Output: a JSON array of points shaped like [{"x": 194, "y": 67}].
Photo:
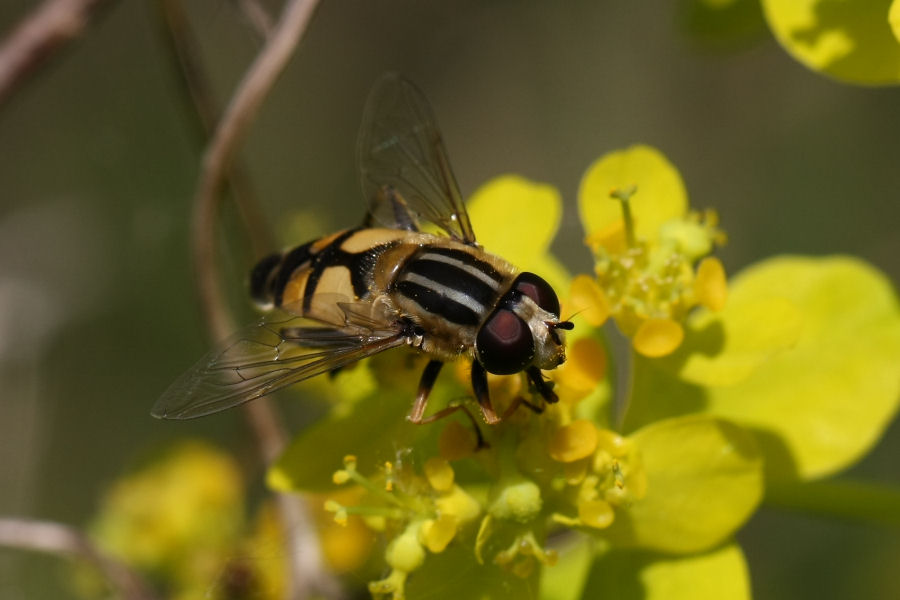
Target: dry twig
[
  {"x": 258, "y": 17},
  {"x": 198, "y": 92},
  {"x": 38, "y": 36},
  {"x": 56, "y": 538},
  {"x": 307, "y": 572}
]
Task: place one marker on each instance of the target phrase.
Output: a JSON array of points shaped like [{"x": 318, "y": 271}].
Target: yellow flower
[
  {"x": 651, "y": 254},
  {"x": 854, "y": 42},
  {"x": 178, "y": 514},
  {"x": 425, "y": 512},
  {"x": 675, "y": 474}
]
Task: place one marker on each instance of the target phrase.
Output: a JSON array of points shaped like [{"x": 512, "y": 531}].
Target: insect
[{"x": 388, "y": 283}]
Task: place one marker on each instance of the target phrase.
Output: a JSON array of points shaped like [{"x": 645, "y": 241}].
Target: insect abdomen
[
  {"x": 340, "y": 265},
  {"x": 271, "y": 274}
]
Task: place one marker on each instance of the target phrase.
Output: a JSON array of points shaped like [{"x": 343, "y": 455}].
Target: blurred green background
[{"x": 98, "y": 163}]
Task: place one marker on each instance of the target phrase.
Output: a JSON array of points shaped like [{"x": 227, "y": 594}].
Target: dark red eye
[
  {"x": 538, "y": 290},
  {"x": 504, "y": 344}
]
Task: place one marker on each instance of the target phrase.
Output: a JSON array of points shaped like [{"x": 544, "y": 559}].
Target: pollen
[
  {"x": 658, "y": 337},
  {"x": 574, "y": 441},
  {"x": 340, "y": 512},
  {"x": 388, "y": 476},
  {"x": 439, "y": 474},
  {"x": 710, "y": 284}
]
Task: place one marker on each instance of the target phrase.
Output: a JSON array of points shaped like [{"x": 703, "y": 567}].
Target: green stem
[
  {"x": 853, "y": 500},
  {"x": 624, "y": 195}
]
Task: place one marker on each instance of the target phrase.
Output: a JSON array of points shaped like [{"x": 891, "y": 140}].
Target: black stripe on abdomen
[
  {"x": 291, "y": 261},
  {"x": 263, "y": 278},
  {"x": 464, "y": 260},
  {"x": 451, "y": 284},
  {"x": 437, "y": 303},
  {"x": 449, "y": 276}
]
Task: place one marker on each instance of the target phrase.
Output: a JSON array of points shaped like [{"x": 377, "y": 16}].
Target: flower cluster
[
  {"x": 421, "y": 512},
  {"x": 180, "y": 519},
  {"x": 737, "y": 392},
  {"x": 651, "y": 269},
  {"x": 673, "y": 466}
]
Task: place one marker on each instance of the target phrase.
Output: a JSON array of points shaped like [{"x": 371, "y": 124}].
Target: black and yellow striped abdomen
[
  {"x": 445, "y": 286},
  {"x": 341, "y": 265}
]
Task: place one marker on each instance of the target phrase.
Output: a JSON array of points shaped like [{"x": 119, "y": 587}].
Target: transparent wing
[
  {"x": 403, "y": 166},
  {"x": 278, "y": 351}
]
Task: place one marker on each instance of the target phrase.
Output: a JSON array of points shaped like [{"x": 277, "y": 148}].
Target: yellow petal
[
  {"x": 438, "y": 533},
  {"x": 574, "y": 441},
  {"x": 515, "y": 218},
  {"x": 660, "y": 192},
  {"x": 584, "y": 368},
  {"x": 588, "y": 300},
  {"x": 710, "y": 284},
  {"x": 824, "y": 400},
  {"x": 829, "y": 398},
  {"x": 727, "y": 347},
  {"x": 715, "y": 575},
  {"x": 439, "y": 474},
  {"x": 894, "y": 18},
  {"x": 596, "y": 513},
  {"x": 657, "y": 337},
  {"x": 704, "y": 480},
  {"x": 851, "y": 41}
]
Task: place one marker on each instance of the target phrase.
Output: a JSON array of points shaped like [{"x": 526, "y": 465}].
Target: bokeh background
[{"x": 99, "y": 159}]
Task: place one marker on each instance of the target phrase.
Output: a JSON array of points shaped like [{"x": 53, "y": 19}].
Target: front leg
[
  {"x": 537, "y": 378},
  {"x": 416, "y": 415},
  {"x": 480, "y": 387},
  {"x": 429, "y": 376}
]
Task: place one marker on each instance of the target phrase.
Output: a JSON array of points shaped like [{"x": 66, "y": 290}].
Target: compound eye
[
  {"x": 538, "y": 290},
  {"x": 504, "y": 344}
]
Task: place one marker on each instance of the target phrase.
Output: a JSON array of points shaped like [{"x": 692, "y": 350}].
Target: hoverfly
[{"x": 385, "y": 284}]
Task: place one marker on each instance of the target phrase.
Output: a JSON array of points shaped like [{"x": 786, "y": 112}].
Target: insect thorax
[{"x": 449, "y": 288}]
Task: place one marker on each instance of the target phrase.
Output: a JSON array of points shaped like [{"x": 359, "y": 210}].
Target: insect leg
[
  {"x": 425, "y": 384},
  {"x": 535, "y": 376},
  {"x": 516, "y": 403},
  {"x": 429, "y": 376},
  {"x": 544, "y": 388},
  {"x": 480, "y": 387}
]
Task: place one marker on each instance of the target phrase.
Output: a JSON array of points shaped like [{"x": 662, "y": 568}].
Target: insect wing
[
  {"x": 280, "y": 350},
  {"x": 403, "y": 165}
]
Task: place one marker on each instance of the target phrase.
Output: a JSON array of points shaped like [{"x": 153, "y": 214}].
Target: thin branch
[
  {"x": 37, "y": 37},
  {"x": 198, "y": 92},
  {"x": 56, "y": 538},
  {"x": 308, "y": 574},
  {"x": 258, "y": 17},
  {"x": 244, "y": 105}
]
